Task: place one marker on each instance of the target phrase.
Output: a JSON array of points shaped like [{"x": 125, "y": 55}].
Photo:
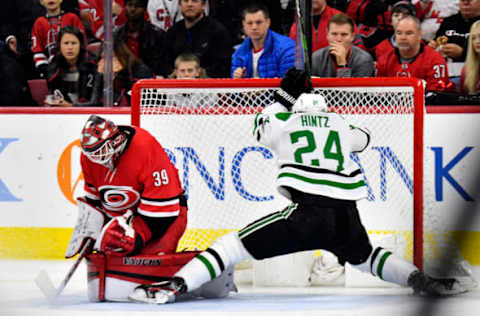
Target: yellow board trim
[{"x": 42, "y": 243}]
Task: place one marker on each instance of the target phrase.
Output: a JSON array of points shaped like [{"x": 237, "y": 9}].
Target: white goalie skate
[{"x": 159, "y": 293}]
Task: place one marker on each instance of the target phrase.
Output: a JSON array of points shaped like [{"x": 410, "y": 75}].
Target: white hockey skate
[
  {"x": 159, "y": 293},
  {"x": 423, "y": 284}
]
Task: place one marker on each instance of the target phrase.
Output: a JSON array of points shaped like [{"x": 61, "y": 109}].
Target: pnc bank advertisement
[{"x": 230, "y": 182}]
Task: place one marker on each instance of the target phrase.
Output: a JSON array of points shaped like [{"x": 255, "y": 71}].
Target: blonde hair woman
[{"x": 469, "y": 80}]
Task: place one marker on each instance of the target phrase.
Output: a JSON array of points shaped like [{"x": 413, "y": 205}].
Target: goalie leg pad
[
  {"x": 112, "y": 278},
  {"x": 224, "y": 253},
  {"x": 89, "y": 224}
]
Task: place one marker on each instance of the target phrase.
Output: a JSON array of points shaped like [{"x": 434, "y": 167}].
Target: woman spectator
[
  {"x": 469, "y": 79},
  {"x": 72, "y": 71},
  {"x": 127, "y": 69}
]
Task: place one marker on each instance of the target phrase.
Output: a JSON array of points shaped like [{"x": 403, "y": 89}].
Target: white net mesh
[{"x": 230, "y": 179}]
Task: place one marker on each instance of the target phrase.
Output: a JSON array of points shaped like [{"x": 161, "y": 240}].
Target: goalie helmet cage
[{"x": 204, "y": 122}]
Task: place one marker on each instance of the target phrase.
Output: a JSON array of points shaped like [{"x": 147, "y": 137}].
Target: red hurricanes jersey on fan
[
  {"x": 44, "y": 35},
  {"x": 144, "y": 180},
  {"x": 428, "y": 65},
  {"x": 95, "y": 7}
]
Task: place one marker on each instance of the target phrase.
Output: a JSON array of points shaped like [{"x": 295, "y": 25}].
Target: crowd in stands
[{"x": 60, "y": 44}]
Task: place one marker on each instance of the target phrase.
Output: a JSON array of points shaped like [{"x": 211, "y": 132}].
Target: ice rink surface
[{"x": 20, "y": 296}]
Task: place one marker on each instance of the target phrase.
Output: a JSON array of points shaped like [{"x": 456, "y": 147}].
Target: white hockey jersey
[
  {"x": 313, "y": 152},
  {"x": 164, "y": 13},
  {"x": 435, "y": 12}
]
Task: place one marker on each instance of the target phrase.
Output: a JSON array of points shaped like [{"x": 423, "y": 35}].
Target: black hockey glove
[{"x": 294, "y": 83}]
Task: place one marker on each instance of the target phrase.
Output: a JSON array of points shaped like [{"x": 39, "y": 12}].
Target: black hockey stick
[
  {"x": 45, "y": 284},
  {"x": 303, "y": 36}
]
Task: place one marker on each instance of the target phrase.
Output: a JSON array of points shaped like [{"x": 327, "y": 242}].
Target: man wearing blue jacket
[{"x": 264, "y": 53}]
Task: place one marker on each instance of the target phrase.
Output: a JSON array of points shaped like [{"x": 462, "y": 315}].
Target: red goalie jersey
[{"x": 144, "y": 180}]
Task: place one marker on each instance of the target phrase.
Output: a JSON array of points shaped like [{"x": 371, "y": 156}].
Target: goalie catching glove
[
  {"x": 294, "y": 83},
  {"x": 123, "y": 235}
]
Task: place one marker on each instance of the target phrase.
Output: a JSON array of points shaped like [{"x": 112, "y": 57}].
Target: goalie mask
[{"x": 101, "y": 140}]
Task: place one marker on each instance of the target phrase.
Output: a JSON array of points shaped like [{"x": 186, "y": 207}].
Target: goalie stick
[{"x": 45, "y": 284}]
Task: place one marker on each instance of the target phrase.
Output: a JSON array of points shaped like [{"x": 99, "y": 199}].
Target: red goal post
[{"x": 392, "y": 107}]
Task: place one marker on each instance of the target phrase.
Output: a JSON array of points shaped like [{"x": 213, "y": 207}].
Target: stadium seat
[{"x": 39, "y": 90}]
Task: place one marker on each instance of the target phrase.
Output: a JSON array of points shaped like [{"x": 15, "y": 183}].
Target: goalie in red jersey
[
  {"x": 135, "y": 211},
  {"x": 136, "y": 190}
]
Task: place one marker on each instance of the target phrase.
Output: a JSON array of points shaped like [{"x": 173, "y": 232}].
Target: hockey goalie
[{"x": 133, "y": 214}]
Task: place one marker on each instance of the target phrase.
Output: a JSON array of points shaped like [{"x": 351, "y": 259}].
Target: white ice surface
[{"x": 20, "y": 296}]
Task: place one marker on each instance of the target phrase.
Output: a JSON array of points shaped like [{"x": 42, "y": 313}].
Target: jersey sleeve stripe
[
  {"x": 158, "y": 214},
  {"x": 160, "y": 203}
]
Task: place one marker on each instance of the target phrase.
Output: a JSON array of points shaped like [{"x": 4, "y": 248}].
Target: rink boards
[{"x": 40, "y": 177}]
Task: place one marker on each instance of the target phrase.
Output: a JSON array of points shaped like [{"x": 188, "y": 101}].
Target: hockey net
[{"x": 206, "y": 128}]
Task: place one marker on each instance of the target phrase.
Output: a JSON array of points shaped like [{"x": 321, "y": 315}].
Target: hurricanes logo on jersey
[{"x": 118, "y": 198}]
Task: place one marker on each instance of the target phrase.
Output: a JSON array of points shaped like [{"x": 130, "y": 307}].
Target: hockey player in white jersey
[{"x": 313, "y": 147}]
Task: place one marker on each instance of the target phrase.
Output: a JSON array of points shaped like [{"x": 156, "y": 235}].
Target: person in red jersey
[
  {"x": 412, "y": 58},
  {"x": 91, "y": 11},
  {"x": 130, "y": 180},
  {"x": 45, "y": 31}
]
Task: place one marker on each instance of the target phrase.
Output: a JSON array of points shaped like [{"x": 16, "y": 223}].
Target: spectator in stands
[
  {"x": 432, "y": 13},
  {"x": 399, "y": 10},
  {"x": 470, "y": 79},
  {"x": 91, "y": 12},
  {"x": 201, "y": 35},
  {"x": 374, "y": 19},
  {"x": 340, "y": 58},
  {"x": 17, "y": 18},
  {"x": 163, "y": 14},
  {"x": 127, "y": 69},
  {"x": 143, "y": 39},
  {"x": 264, "y": 53},
  {"x": 321, "y": 15},
  {"x": 45, "y": 31},
  {"x": 412, "y": 58},
  {"x": 14, "y": 90},
  {"x": 452, "y": 35},
  {"x": 187, "y": 66},
  {"x": 72, "y": 70},
  {"x": 282, "y": 13}
]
